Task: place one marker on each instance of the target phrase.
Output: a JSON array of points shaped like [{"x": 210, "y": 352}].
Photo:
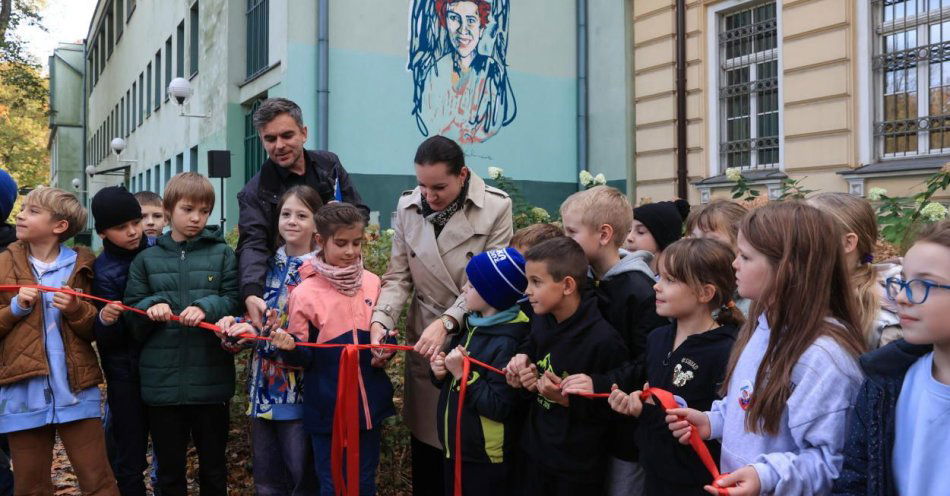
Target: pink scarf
[{"x": 346, "y": 280}]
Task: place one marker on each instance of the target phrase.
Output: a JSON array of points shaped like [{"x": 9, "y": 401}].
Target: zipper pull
[{"x": 182, "y": 253}]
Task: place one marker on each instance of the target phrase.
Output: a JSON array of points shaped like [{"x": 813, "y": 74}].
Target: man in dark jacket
[
  {"x": 870, "y": 442},
  {"x": 280, "y": 124}
]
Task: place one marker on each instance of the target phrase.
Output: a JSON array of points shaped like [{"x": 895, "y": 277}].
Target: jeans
[
  {"x": 283, "y": 458},
  {"x": 127, "y": 435},
  {"x": 624, "y": 478}
]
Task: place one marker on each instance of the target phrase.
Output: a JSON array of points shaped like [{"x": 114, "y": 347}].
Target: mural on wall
[{"x": 457, "y": 56}]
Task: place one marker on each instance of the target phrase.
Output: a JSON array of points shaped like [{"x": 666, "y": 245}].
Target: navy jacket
[
  {"x": 694, "y": 371},
  {"x": 118, "y": 352},
  {"x": 489, "y": 416},
  {"x": 870, "y": 441},
  {"x": 257, "y": 222}
]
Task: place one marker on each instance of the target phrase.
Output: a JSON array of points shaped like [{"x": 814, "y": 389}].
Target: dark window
[
  {"x": 148, "y": 180},
  {"x": 168, "y": 170},
  {"x": 254, "y": 153},
  {"x": 131, "y": 8},
  {"x": 179, "y": 163},
  {"x": 257, "y": 32},
  {"x": 158, "y": 179},
  {"x": 110, "y": 31},
  {"x": 193, "y": 159},
  {"x": 193, "y": 40},
  {"x": 148, "y": 92},
  {"x": 141, "y": 96},
  {"x": 119, "y": 19},
  {"x": 180, "y": 50},
  {"x": 122, "y": 122},
  {"x": 158, "y": 79},
  {"x": 168, "y": 65}
]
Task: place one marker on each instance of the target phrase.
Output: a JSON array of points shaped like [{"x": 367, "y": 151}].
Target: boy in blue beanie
[
  {"x": 494, "y": 327},
  {"x": 8, "y": 194}
]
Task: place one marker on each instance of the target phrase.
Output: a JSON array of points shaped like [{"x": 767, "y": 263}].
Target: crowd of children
[{"x": 757, "y": 322}]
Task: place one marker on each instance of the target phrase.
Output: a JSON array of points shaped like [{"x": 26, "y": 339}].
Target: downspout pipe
[
  {"x": 323, "y": 74},
  {"x": 85, "y": 127},
  {"x": 682, "y": 171},
  {"x": 582, "y": 89}
]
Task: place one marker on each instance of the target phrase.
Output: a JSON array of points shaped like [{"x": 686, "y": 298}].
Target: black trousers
[
  {"x": 207, "y": 426},
  {"x": 543, "y": 482},
  {"x": 128, "y": 431},
  {"x": 478, "y": 479},
  {"x": 427, "y": 462}
]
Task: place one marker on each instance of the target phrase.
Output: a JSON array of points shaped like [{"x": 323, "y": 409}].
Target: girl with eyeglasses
[{"x": 898, "y": 438}]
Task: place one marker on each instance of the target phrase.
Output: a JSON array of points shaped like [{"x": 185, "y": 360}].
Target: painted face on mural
[
  {"x": 464, "y": 25},
  {"x": 284, "y": 139}
]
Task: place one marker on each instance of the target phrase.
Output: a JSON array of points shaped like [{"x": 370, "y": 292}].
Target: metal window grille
[
  {"x": 254, "y": 153},
  {"x": 257, "y": 33},
  {"x": 912, "y": 77},
  {"x": 748, "y": 88}
]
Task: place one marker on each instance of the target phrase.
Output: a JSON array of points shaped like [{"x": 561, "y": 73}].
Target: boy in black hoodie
[
  {"x": 118, "y": 219},
  {"x": 564, "y": 437},
  {"x": 494, "y": 328},
  {"x": 599, "y": 220}
]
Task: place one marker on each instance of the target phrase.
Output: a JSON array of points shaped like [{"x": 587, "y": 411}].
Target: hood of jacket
[
  {"x": 892, "y": 361},
  {"x": 638, "y": 261}
]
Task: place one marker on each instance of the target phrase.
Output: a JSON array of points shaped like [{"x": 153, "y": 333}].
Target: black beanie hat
[
  {"x": 664, "y": 220},
  {"x": 112, "y": 206}
]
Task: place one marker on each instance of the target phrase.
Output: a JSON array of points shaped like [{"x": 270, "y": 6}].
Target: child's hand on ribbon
[
  {"x": 513, "y": 370},
  {"x": 623, "y": 403},
  {"x": 224, "y": 324},
  {"x": 577, "y": 384},
  {"x": 111, "y": 313},
  {"x": 26, "y": 297},
  {"x": 549, "y": 386},
  {"x": 683, "y": 420},
  {"x": 192, "y": 316},
  {"x": 160, "y": 312},
  {"x": 438, "y": 366},
  {"x": 282, "y": 340},
  {"x": 742, "y": 482},
  {"x": 529, "y": 378},
  {"x": 65, "y": 302},
  {"x": 454, "y": 360},
  {"x": 233, "y": 332}
]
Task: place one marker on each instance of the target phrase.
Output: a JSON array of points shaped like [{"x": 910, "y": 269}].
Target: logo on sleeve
[{"x": 745, "y": 394}]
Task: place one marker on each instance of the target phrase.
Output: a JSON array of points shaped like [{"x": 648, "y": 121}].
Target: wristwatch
[{"x": 448, "y": 322}]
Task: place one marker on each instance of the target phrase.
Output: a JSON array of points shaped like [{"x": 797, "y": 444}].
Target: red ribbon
[{"x": 346, "y": 429}]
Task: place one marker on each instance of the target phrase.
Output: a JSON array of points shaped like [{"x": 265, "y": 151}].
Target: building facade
[
  {"x": 540, "y": 89},
  {"x": 66, "y": 117},
  {"x": 842, "y": 95}
]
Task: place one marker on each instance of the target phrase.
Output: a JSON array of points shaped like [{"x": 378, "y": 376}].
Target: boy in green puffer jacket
[{"x": 187, "y": 377}]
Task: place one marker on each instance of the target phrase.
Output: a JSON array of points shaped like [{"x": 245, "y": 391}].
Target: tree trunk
[{"x": 6, "y": 6}]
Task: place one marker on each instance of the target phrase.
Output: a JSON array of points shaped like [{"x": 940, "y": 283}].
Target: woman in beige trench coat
[{"x": 451, "y": 216}]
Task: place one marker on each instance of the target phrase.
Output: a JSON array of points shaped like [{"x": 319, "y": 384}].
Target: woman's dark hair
[
  {"x": 335, "y": 216},
  {"x": 439, "y": 149}
]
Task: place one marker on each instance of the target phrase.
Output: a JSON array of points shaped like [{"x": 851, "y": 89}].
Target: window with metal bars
[
  {"x": 254, "y": 153},
  {"x": 748, "y": 88},
  {"x": 912, "y": 77},
  {"x": 257, "y": 33}
]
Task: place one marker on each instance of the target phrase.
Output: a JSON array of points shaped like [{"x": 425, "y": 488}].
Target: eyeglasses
[{"x": 917, "y": 290}]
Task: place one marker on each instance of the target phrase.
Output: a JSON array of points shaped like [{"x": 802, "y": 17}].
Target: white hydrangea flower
[
  {"x": 934, "y": 211},
  {"x": 599, "y": 180},
  {"x": 586, "y": 178},
  {"x": 495, "y": 172},
  {"x": 733, "y": 174},
  {"x": 875, "y": 194},
  {"x": 541, "y": 213},
  {"x": 390, "y": 232}
]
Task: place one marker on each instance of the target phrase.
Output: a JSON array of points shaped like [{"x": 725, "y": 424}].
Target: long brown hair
[
  {"x": 855, "y": 215},
  {"x": 809, "y": 284},
  {"x": 718, "y": 215},
  {"x": 700, "y": 261}
]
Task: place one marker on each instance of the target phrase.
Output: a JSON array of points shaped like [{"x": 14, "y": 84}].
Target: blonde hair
[
  {"x": 62, "y": 205},
  {"x": 855, "y": 215},
  {"x": 188, "y": 186},
  {"x": 603, "y": 205},
  {"x": 718, "y": 215}
]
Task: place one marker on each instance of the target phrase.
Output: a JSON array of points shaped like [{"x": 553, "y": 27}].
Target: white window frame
[
  {"x": 714, "y": 17},
  {"x": 868, "y": 27}
]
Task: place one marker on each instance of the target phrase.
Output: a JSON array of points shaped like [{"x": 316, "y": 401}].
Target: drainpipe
[
  {"x": 582, "y": 66},
  {"x": 85, "y": 126},
  {"x": 323, "y": 73},
  {"x": 682, "y": 172}
]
